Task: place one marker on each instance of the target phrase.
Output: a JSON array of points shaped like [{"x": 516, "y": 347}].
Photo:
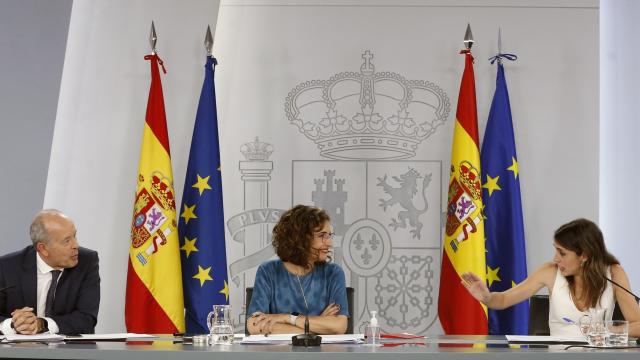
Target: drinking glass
[
  {"x": 220, "y": 326},
  {"x": 584, "y": 323},
  {"x": 597, "y": 333},
  {"x": 617, "y": 332}
]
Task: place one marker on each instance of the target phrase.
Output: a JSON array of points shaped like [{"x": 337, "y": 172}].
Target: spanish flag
[
  {"x": 463, "y": 246},
  {"x": 154, "y": 302}
]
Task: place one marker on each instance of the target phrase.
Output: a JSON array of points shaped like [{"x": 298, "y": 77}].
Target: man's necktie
[{"x": 51, "y": 294}]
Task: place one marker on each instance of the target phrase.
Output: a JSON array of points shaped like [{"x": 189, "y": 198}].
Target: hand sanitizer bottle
[{"x": 372, "y": 331}]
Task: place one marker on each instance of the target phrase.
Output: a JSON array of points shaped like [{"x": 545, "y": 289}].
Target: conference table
[{"x": 437, "y": 347}]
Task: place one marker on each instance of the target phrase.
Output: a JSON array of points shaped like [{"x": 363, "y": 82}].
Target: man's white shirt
[{"x": 43, "y": 283}]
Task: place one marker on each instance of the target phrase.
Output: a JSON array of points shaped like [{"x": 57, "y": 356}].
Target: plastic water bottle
[{"x": 372, "y": 331}]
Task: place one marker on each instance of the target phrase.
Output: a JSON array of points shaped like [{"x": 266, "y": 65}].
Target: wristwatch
[{"x": 293, "y": 317}]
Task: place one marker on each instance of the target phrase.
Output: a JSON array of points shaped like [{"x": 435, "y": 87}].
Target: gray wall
[
  {"x": 620, "y": 132},
  {"x": 33, "y": 36}
]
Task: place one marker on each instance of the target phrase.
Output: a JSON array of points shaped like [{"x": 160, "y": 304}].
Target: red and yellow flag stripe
[
  {"x": 463, "y": 246},
  {"x": 154, "y": 302}
]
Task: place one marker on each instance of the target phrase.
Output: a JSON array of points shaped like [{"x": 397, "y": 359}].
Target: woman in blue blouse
[{"x": 301, "y": 281}]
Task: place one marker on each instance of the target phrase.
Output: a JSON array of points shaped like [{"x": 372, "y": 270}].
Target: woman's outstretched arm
[{"x": 543, "y": 276}]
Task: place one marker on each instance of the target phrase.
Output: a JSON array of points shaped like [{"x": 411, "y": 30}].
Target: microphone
[
  {"x": 623, "y": 288},
  {"x": 306, "y": 339}
]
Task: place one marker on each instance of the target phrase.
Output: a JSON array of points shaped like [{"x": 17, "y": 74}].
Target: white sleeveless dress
[{"x": 561, "y": 305}]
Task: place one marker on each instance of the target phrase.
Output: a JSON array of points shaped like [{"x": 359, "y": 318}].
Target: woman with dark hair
[
  {"x": 302, "y": 281},
  {"x": 576, "y": 279}
]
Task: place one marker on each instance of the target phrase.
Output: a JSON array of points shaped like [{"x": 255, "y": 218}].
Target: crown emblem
[
  {"x": 370, "y": 115},
  {"x": 162, "y": 191},
  {"x": 256, "y": 150},
  {"x": 470, "y": 179}
]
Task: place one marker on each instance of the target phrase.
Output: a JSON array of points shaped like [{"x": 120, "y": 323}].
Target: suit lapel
[
  {"x": 29, "y": 280},
  {"x": 61, "y": 291}
]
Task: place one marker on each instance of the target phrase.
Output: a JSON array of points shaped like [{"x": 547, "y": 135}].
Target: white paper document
[
  {"x": 36, "y": 337},
  {"x": 115, "y": 336},
  {"x": 530, "y": 339},
  {"x": 286, "y": 339}
]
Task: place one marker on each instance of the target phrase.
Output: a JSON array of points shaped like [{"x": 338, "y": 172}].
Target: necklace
[{"x": 302, "y": 291}]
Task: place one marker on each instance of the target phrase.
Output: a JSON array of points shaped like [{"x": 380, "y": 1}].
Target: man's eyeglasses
[{"x": 325, "y": 235}]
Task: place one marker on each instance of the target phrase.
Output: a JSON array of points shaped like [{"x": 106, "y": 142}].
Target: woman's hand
[
  {"x": 265, "y": 322},
  {"x": 331, "y": 310},
  {"x": 476, "y": 287}
]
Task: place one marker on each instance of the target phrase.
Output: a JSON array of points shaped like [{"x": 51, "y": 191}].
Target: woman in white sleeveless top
[{"x": 576, "y": 279}]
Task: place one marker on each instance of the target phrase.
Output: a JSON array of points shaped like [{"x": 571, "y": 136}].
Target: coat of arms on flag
[
  {"x": 464, "y": 192},
  {"x": 150, "y": 218}
]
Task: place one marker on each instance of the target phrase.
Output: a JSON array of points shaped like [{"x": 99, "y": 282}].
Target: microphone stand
[
  {"x": 623, "y": 288},
  {"x": 307, "y": 339},
  {"x": 636, "y": 297}
]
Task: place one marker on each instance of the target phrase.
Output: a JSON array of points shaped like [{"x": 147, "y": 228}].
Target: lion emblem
[{"x": 403, "y": 195}]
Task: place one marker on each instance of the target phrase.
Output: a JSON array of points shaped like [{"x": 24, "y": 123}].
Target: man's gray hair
[{"x": 37, "y": 230}]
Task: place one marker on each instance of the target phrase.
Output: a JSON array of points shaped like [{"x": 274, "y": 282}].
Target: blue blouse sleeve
[
  {"x": 338, "y": 289},
  {"x": 261, "y": 292}
]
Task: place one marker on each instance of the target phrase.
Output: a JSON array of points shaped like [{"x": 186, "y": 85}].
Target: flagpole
[
  {"x": 153, "y": 38},
  {"x": 208, "y": 41},
  {"x": 468, "y": 38},
  {"x": 201, "y": 225},
  {"x": 499, "y": 44},
  {"x": 154, "y": 302},
  {"x": 463, "y": 244},
  {"x": 504, "y": 225}
]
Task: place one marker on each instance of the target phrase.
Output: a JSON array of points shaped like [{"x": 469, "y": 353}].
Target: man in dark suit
[{"x": 52, "y": 285}]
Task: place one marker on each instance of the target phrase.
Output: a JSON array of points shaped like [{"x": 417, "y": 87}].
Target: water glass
[
  {"x": 584, "y": 323},
  {"x": 617, "y": 332},
  {"x": 597, "y": 333},
  {"x": 220, "y": 326}
]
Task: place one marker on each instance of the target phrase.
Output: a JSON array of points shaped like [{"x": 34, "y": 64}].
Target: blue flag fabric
[
  {"x": 201, "y": 223},
  {"x": 504, "y": 229}
]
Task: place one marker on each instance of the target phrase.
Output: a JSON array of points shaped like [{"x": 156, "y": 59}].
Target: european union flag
[
  {"x": 504, "y": 229},
  {"x": 201, "y": 225}
]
